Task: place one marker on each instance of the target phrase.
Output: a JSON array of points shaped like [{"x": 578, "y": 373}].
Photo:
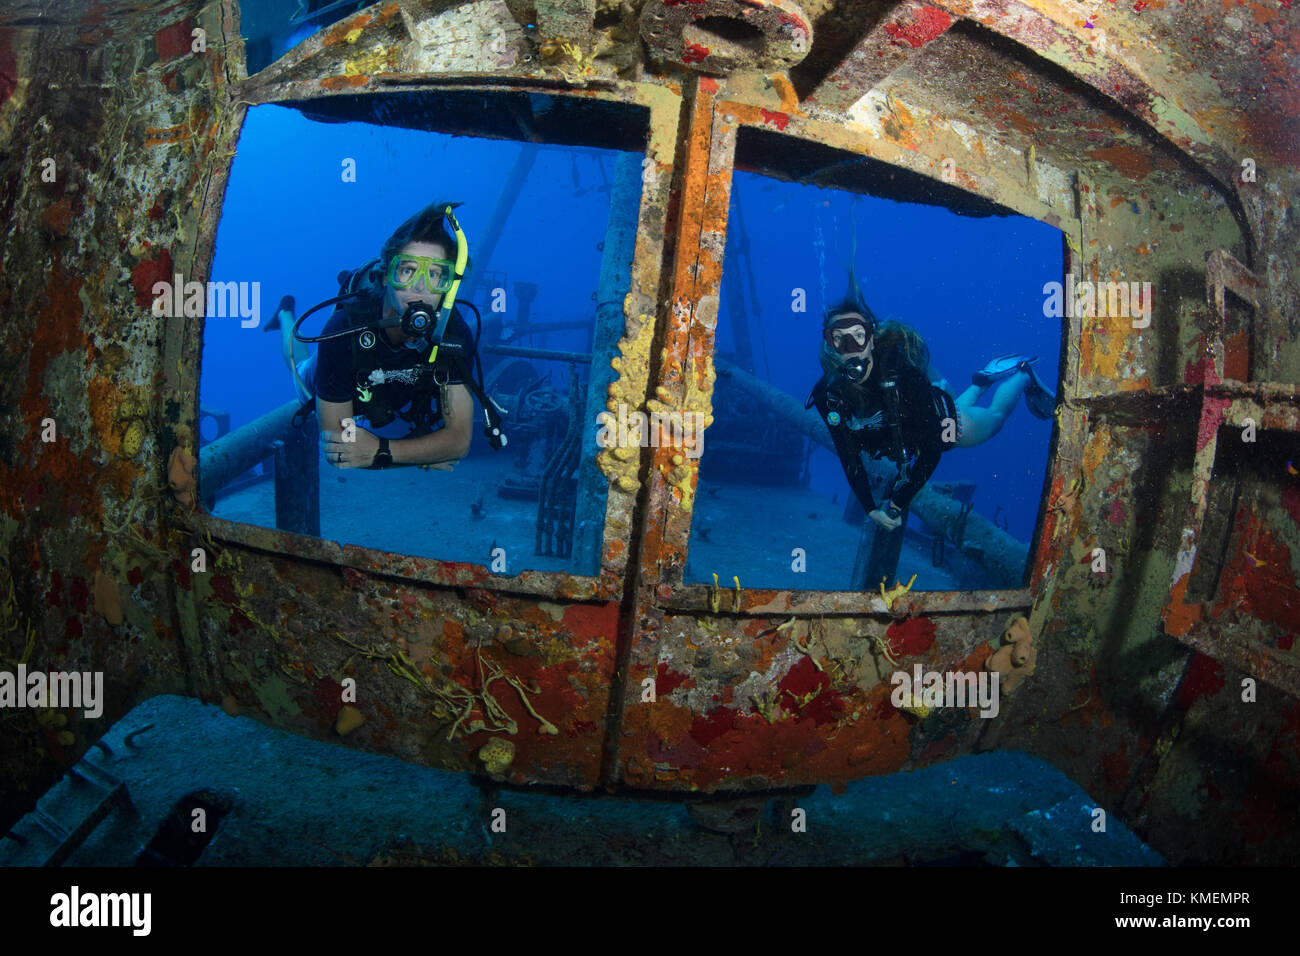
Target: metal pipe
[
  {"x": 225, "y": 459},
  {"x": 547, "y": 355},
  {"x": 1003, "y": 556}
]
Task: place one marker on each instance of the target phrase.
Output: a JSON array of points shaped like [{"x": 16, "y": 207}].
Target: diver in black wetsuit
[
  {"x": 878, "y": 400},
  {"x": 395, "y": 348}
]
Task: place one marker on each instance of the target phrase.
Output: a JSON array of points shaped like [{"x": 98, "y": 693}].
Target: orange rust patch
[
  {"x": 334, "y": 83},
  {"x": 163, "y": 137},
  {"x": 1099, "y": 345},
  {"x": 1180, "y": 617},
  {"x": 104, "y": 397},
  {"x": 1021, "y": 123},
  {"x": 1096, "y": 451},
  {"x": 58, "y": 217},
  {"x": 1236, "y": 357},
  {"x": 765, "y": 650},
  {"x": 974, "y": 661},
  {"x": 121, "y": 476},
  {"x": 1133, "y": 163},
  {"x": 785, "y": 90},
  {"x": 899, "y": 125},
  {"x": 670, "y": 722},
  {"x": 339, "y": 32}
]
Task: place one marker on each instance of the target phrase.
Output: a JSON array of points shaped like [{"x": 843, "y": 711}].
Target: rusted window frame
[
  {"x": 688, "y": 351},
  {"x": 185, "y": 340}
]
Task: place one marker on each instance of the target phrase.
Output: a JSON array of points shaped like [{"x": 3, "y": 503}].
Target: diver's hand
[
  {"x": 889, "y": 518},
  {"x": 349, "y": 454}
]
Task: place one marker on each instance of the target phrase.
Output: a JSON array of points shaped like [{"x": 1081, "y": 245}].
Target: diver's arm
[
  {"x": 448, "y": 444},
  {"x": 357, "y": 453},
  {"x": 330, "y": 415},
  {"x": 850, "y": 458}
]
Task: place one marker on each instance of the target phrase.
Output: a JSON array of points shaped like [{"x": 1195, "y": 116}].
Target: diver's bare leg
[{"x": 980, "y": 424}]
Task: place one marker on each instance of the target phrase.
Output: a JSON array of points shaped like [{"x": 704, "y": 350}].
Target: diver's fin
[
  {"x": 1004, "y": 366},
  {"x": 291, "y": 350},
  {"x": 284, "y": 309},
  {"x": 1039, "y": 399}
]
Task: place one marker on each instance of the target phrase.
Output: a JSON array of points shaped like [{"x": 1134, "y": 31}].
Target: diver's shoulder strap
[
  {"x": 822, "y": 397},
  {"x": 893, "y": 416}
]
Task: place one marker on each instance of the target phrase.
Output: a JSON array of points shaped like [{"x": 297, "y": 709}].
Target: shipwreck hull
[{"x": 1165, "y": 686}]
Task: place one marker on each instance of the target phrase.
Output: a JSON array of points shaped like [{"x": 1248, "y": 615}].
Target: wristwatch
[{"x": 383, "y": 458}]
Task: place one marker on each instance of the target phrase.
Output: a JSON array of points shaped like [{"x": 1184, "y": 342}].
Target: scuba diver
[
  {"x": 395, "y": 348},
  {"x": 881, "y": 397}
]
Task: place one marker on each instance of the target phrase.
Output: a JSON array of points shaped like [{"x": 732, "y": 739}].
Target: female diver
[{"x": 877, "y": 399}]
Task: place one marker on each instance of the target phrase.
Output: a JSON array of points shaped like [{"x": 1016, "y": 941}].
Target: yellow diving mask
[{"x": 405, "y": 271}]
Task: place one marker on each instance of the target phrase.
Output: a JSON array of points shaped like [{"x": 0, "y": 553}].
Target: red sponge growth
[{"x": 911, "y": 637}]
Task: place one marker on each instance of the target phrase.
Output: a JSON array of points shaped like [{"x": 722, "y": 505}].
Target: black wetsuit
[
  {"x": 921, "y": 410},
  {"x": 413, "y": 395}
]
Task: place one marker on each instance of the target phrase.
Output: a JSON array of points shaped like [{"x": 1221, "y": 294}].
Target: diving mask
[
  {"x": 848, "y": 335},
  {"x": 405, "y": 271}
]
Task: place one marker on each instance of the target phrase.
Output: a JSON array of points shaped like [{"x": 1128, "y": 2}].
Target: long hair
[{"x": 907, "y": 341}]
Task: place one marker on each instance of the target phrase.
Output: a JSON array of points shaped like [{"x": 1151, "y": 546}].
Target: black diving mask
[{"x": 849, "y": 340}]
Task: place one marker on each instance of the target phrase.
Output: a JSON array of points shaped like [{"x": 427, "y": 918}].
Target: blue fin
[
  {"x": 1039, "y": 399},
  {"x": 1004, "y": 366}
]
